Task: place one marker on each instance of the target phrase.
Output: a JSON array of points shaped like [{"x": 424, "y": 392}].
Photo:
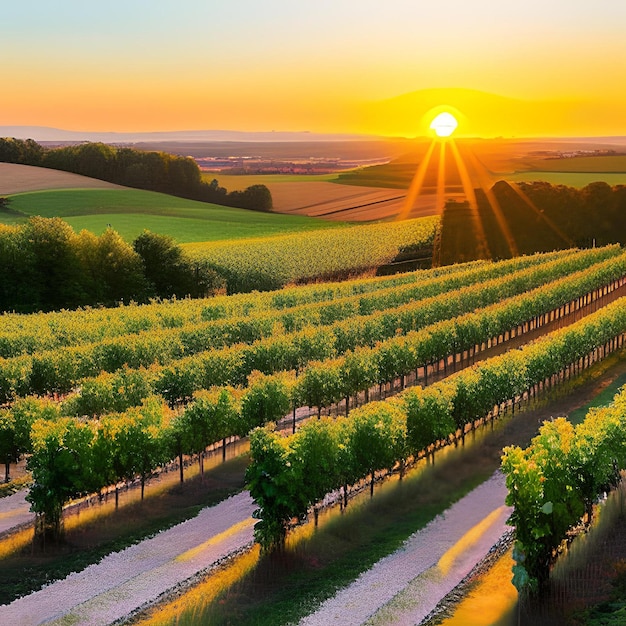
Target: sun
[{"x": 444, "y": 124}]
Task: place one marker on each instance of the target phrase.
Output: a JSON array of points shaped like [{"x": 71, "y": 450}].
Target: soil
[
  {"x": 23, "y": 178},
  {"x": 345, "y": 202}
]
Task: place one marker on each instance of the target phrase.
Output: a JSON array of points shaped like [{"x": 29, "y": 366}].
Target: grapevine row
[
  {"x": 99, "y": 450},
  {"x": 326, "y": 382},
  {"x": 288, "y": 475},
  {"x": 61, "y": 370},
  {"x": 35, "y": 333}
]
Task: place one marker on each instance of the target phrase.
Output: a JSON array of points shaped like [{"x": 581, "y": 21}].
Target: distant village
[
  {"x": 584, "y": 153},
  {"x": 263, "y": 165}
]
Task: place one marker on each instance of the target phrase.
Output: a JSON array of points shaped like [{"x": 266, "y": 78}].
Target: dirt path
[
  {"x": 124, "y": 581},
  {"x": 405, "y": 586},
  {"x": 15, "y": 511}
]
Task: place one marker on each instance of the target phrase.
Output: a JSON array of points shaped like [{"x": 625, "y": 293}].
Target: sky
[{"x": 505, "y": 67}]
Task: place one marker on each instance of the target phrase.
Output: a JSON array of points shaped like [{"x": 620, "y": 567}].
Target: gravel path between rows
[
  {"x": 404, "y": 587},
  {"x": 124, "y": 581},
  {"x": 15, "y": 511}
]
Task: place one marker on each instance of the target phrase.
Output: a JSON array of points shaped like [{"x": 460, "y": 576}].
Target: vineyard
[
  {"x": 272, "y": 263},
  {"x": 96, "y": 398}
]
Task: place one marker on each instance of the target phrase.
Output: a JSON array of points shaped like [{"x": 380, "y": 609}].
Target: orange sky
[{"x": 512, "y": 68}]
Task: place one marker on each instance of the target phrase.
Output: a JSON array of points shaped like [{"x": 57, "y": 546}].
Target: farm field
[
  {"x": 313, "y": 318},
  {"x": 321, "y": 196},
  {"x": 21, "y": 178},
  {"x": 564, "y": 273},
  {"x": 232, "y": 602},
  {"x": 583, "y": 164},
  {"x": 238, "y": 182},
  {"x": 571, "y": 179},
  {"x": 130, "y": 211}
]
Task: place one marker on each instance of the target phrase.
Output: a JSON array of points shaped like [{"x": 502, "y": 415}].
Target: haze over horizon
[{"x": 514, "y": 69}]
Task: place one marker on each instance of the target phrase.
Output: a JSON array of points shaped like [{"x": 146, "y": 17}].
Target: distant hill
[{"x": 45, "y": 133}]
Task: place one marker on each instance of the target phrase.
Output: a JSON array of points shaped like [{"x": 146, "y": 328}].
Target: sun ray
[
  {"x": 518, "y": 190},
  {"x": 416, "y": 183},
  {"x": 441, "y": 178},
  {"x": 485, "y": 184},
  {"x": 468, "y": 188}
]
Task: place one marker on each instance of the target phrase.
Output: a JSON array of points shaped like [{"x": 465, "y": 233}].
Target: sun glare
[{"x": 444, "y": 124}]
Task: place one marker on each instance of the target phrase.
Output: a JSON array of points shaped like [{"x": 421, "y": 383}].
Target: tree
[
  {"x": 162, "y": 260},
  {"x": 169, "y": 273},
  {"x": 17, "y": 270},
  {"x": 255, "y": 197},
  {"x": 115, "y": 271},
  {"x": 57, "y": 271},
  {"x": 9, "y": 447}
]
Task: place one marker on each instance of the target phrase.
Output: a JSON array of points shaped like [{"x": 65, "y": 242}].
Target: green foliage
[
  {"x": 321, "y": 384},
  {"x": 379, "y": 434},
  {"x": 61, "y": 468},
  {"x": 428, "y": 415},
  {"x": 557, "y": 479},
  {"x": 62, "y": 269},
  {"x": 270, "y": 485},
  {"x": 541, "y": 216},
  {"x": 10, "y": 449},
  {"x": 213, "y": 415},
  {"x": 266, "y": 399},
  {"x": 174, "y": 352},
  {"x": 377, "y": 437},
  {"x": 294, "y": 308},
  {"x": 114, "y": 270}
]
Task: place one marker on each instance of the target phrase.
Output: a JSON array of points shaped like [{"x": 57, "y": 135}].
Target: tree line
[
  {"x": 45, "y": 265},
  {"x": 541, "y": 216},
  {"x": 154, "y": 171},
  {"x": 562, "y": 216}
]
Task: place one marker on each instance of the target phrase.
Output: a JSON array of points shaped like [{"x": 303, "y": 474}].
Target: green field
[
  {"x": 571, "y": 179},
  {"x": 395, "y": 175},
  {"x": 130, "y": 211},
  {"x": 235, "y": 182},
  {"x": 592, "y": 164}
]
